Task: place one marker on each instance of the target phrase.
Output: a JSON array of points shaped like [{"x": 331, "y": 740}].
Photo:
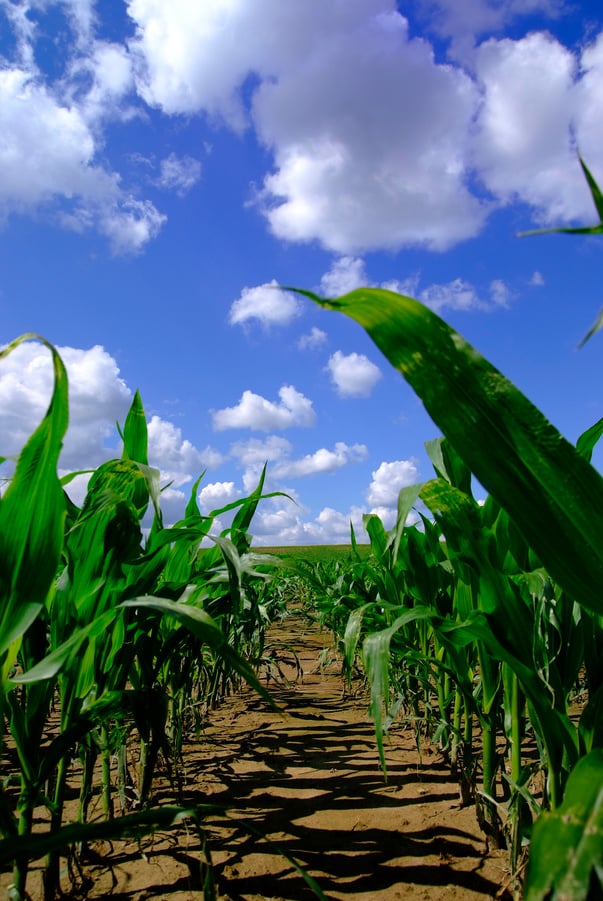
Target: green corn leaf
[
  {"x": 407, "y": 498},
  {"x": 566, "y": 854},
  {"x": 135, "y": 435},
  {"x": 586, "y": 230},
  {"x": 33, "y": 511},
  {"x": 136, "y": 825},
  {"x": 588, "y": 439},
  {"x": 448, "y": 464},
  {"x": 51, "y": 665},
  {"x": 192, "y": 508},
  {"x": 352, "y": 632},
  {"x": 132, "y": 825},
  {"x": 244, "y": 516},
  {"x": 594, "y": 189},
  {"x": 377, "y": 534},
  {"x": 554, "y": 496},
  {"x": 201, "y": 624},
  {"x": 595, "y": 327},
  {"x": 376, "y": 655},
  {"x": 16, "y": 628}
]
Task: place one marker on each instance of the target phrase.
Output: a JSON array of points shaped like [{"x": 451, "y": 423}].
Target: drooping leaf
[
  {"x": 554, "y": 496},
  {"x": 201, "y": 624}
]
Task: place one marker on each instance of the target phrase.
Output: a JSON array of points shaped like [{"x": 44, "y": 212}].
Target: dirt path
[{"x": 309, "y": 779}]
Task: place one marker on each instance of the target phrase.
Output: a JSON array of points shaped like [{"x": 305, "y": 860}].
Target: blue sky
[{"x": 164, "y": 166}]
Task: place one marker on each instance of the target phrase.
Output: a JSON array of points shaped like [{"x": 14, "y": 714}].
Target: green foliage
[
  {"x": 124, "y": 634},
  {"x": 317, "y": 553},
  {"x": 517, "y": 455},
  {"x": 567, "y": 845},
  {"x": 494, "y": 610}
]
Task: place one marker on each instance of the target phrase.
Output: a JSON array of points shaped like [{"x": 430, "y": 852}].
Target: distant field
[{"x": 316, "y": 553}]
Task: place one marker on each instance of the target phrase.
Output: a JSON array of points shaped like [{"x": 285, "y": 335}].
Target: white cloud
[
  {"x": 177, "y": 458},
  {"x": 353, "y": 374},
  {"x": 267, "y": 303},
  {"x": 464, "y": 22},
  {"x": 457, "y": 294},
  {"x": 47, "y": 161},
  {"x": 336, "y": 178},
  {"x": 255, "y": 452},
  {"x": 98, "y": 80},
  {"x": 500, "y": 293},
  {"x": 179, "y": 174},
  {"x": 216, "y": 495},
  {"x": 388, "y": 481},
  {"x": 98, "y": 397},
  {"x": 314, "y": 339},
  {"x": 375, "y": 144},
  {"x": 346, "y": 274},
  {"x": 321, "y": 461},
  {"x": 537, "y": 278},
  {"x": 278, "y": 522},
  {"x": 524, "y": 143},
  {"x": 129, "y": 224},
  {"x": 332, "y": 526},
  {"x": 255, "y": 412},
  {"x": 191, "y": 57},
  {"x": 589, "y": 127},
  {"x": 330, "y": 87},
  {"x": 349, "y": 273}
]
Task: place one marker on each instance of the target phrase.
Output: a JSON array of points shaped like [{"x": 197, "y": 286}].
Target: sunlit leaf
[{"x": 554, "y": 496}]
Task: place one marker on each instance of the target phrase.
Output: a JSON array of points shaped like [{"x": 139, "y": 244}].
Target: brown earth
[{"x": 309, "y": 780}]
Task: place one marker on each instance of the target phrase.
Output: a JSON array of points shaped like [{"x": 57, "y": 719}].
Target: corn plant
[
  {"x": 94, "y": 619},
  {"x": 548, "y": 491}
]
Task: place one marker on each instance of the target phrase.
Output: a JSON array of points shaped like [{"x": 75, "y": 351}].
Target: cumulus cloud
[
  {"x": 266, "y": 303},
  {"x": 388, "y": 480},
  {"x": 179, "y": 174},
  {"x": 216, "y": 495},
  {"x": 256, "y": 452},
  {"x": 98, "y": 79},
  {"x": 346, "y": 274},
  {"x": 320, "y": 93},
  {"x": 53, "y": 124},
  {"x": 330, "y": 87},
  {"x": 327, "y": 88},
  {"x": 461, "y": 295},
  {"x": 464, "y": 22},
  {"x": 256, "y": 412},
  {"x": 178, "y": 458},
  {"x": 353, "y": 374},
  {"x": 523, "y": 142},
  {"x": 278, "y": 522},
  {"x": 537, "y": 278},
  {"x": 47, "y": 160},
  {"x": 456, "y": 295},
  {"x": 321, "y": 461},
  {"x": 314, "y": 339},
  {"x": 500, "y": 293},
  {"x": 98, "y": 397},
  {"x": 335, "y": 178}
]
